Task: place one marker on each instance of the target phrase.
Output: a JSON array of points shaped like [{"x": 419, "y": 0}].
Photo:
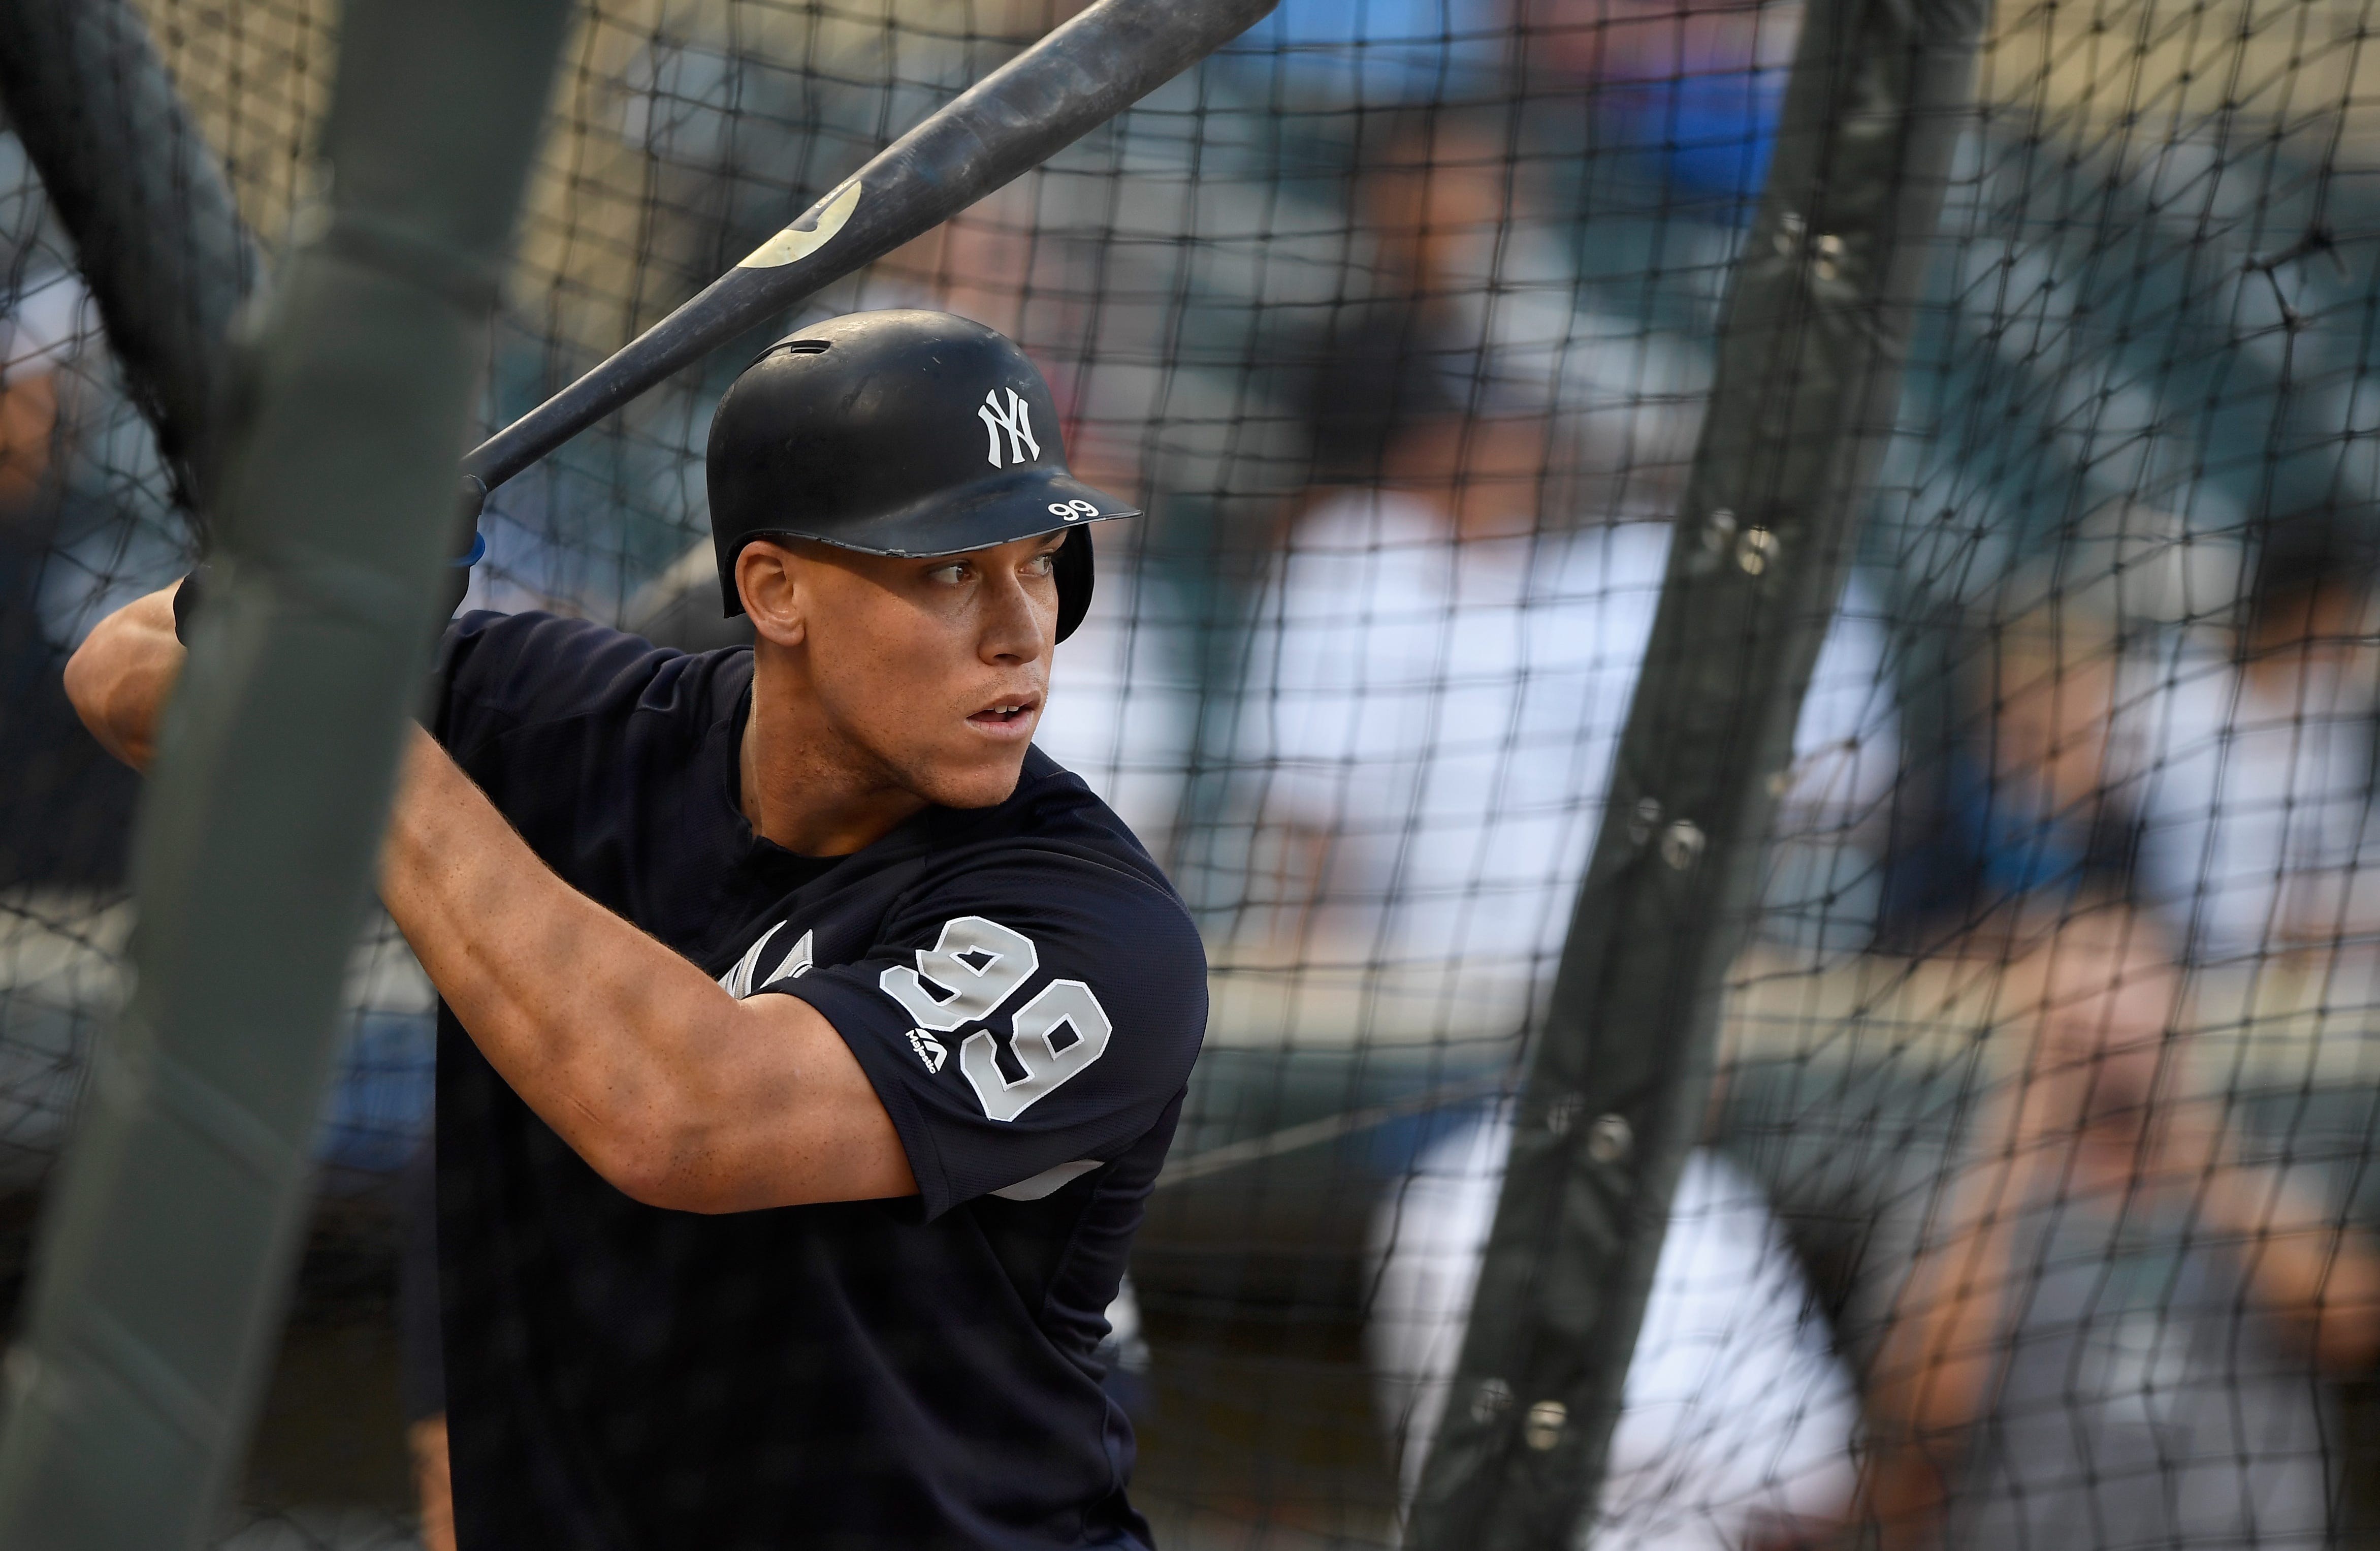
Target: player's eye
[
  {"x": 950, "y": 575},
  {"x": 1042, "y": 564}
]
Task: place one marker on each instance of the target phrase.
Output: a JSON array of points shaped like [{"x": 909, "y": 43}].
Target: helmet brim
[{"x": 1001, "y": 508}]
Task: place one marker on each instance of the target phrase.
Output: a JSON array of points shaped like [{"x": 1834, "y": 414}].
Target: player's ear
[{"x": 767, "y": 577}]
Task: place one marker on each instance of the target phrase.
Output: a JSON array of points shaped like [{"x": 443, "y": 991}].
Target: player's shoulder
[
  {"x": 1055, "y": 840},
  {"x": 498, "y": 672},
  {"x": 1052, "y": 813}
]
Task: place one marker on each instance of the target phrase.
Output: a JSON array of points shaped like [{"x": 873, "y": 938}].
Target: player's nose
[{"x": 1017, "y": 624}]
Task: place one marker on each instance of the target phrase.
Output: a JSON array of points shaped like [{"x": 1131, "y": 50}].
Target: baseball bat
[{"x": 1080, "y": 75}]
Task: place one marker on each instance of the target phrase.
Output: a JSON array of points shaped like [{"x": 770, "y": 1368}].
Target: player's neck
[{"x": 802, "y": 785}]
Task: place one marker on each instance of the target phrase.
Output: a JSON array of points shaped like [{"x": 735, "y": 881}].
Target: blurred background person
[
  {"x": 2115, "y": 1319},
  {"x": 1436, "y": 684},
  {"x": 1737, "y": 1420},
  {"x": 2221, "y": 778},
  {"x": 1695, "y": 88},
  {"x": 1442, "y": 651},
  {"x": 1441, "y": 663},
  {"x": 47, "y": 379},
  {"x": 1459, "y": 298},
  {"x": 2023, "y": 813},
  {"x": 2256, "y": 770}
]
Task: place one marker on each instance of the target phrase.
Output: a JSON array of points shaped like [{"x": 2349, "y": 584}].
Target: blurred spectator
[
  {"x": 1697, "y": 86},
  {"x": 2114, "y": 1322},
  {"x": 1462, "y": 304},
  {"x": 1442, "y": 661},
  {"x": 1437, "y": 685},
  {"x": 1378, "y": 50},
  {"x": 1736, "y": 1418},
  {"x": 38, "y": 333},
  {"x": 1435, "y": 689},
  {"x": 40, "y": 326},
  {"x": 1124, "y": 704},
  {"x": 2023, "y": 811},
  {"x": 1406, "y": 350},
  {"x": 2231, "y": 792},
  {"x": 2255, "y": 775},
  {"x": 63, "y": 802}
]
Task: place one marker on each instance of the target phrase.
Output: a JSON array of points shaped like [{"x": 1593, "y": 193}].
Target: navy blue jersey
[{"x": 1027, "y": 994}]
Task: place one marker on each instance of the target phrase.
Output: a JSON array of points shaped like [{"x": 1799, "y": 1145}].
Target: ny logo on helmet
[{"x": 1017, "y": 420}]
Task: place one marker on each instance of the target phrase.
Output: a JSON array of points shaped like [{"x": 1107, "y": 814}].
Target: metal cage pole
[
  {"x": 1808, "y": 381},
  {"x": 167, "y": 1243}
]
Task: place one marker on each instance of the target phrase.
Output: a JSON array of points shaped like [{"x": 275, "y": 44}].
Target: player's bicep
[{"x": 800, "y": 1121}]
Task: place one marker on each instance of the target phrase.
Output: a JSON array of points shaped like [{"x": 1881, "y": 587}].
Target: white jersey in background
[
  {"x": 1123, "y": 705},
  {"x": 2255, "y": 797},
  {"x": 1736, "y": 1415},
  {"x": 1442, "y": 717}
]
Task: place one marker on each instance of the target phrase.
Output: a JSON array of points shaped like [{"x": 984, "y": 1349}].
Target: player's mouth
[{"x": 1008, "y": 718}]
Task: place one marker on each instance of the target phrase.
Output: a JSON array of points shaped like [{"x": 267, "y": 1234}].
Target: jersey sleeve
[{"x": 1024, "y": 1019}]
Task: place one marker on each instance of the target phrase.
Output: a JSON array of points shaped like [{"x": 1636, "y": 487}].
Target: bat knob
[{"x": 470, "y": 545}]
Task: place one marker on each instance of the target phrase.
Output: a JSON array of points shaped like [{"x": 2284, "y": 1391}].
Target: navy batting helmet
[{"x": 898, "y": 432}]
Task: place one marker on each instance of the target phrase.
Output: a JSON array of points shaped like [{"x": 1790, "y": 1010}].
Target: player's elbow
[
  {"x": 659, "y": 1161},
  {"x": 659, "y": 1189},
  {"x": 92, "y": 675},
  {"x": 648, "y": 1179},
  {"x": 116, "y": 678},
  {"x": 96, "y": 681}
]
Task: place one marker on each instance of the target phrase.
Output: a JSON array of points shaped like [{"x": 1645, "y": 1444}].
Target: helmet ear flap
[
  {"x": 725, "y": 548},
  {"x": 1076, "y": 572}
]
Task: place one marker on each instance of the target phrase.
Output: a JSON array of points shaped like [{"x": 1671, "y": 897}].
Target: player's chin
[{"x": 980, "y": 775}]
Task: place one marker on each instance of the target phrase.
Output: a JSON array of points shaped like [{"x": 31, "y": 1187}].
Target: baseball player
[{"x": 809, "y": 1042}]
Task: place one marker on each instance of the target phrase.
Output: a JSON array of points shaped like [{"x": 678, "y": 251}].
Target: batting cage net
[{"x": 2032, "y": 1203}]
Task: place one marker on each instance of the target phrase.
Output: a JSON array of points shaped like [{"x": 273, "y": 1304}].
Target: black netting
[{"x": 2034, "y": 1207}]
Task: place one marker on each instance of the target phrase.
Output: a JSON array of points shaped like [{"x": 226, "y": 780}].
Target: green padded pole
[
  {"x": 1808, "y": 380},
  {"x": 167, "y": 1243}
]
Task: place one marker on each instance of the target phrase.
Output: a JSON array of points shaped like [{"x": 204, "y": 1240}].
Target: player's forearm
[
  {"x": 1934, "y": 1368},
  {"x": 1933, "y": 1374},
  {"x": 119, "y": 676},
  {"x": 2315, "y": 1272},
  {"x": 671, "y": 1089},
  {"x": 1932, "y": 1379}
]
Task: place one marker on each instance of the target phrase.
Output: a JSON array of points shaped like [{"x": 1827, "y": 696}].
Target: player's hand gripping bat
[{"x": 1036, "y": 104}]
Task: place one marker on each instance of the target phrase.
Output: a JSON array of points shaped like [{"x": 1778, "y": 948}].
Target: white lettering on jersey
[
  {"x": 929, "y": 1050},
  {"x": 1017, "y": 420},
  {"x": 794, "y": 965},
  {"x": 976, "y": 989},
  {"x": 737, "y": 981},
  {"x": 1062, "y": 1003}
]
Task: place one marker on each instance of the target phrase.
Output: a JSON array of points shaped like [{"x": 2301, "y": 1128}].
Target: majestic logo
[
  {"x": 977, "y": 965},
  {"x": 738, "y": 982},
  {"x": 929, "y": 1049},
  {"x": 1017, "y": 420}
]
